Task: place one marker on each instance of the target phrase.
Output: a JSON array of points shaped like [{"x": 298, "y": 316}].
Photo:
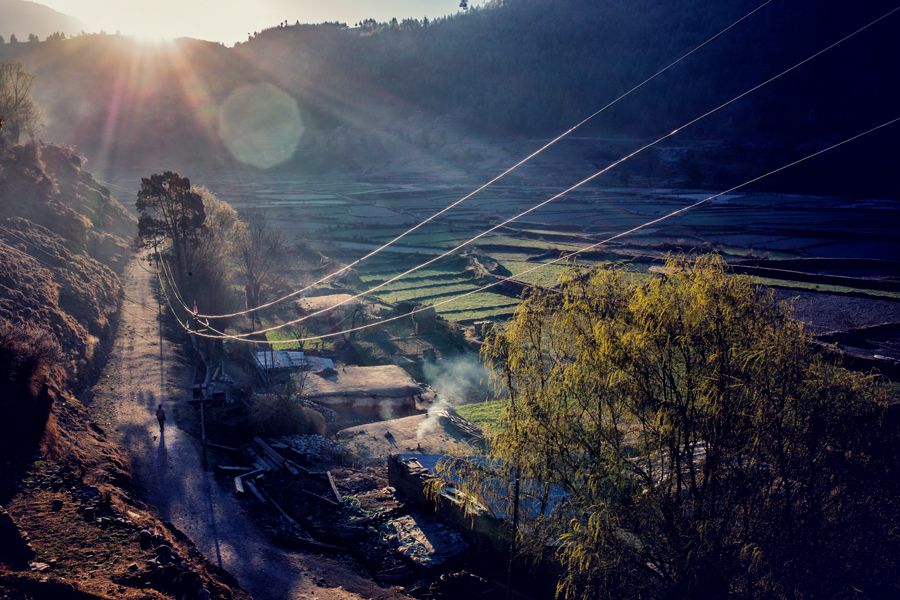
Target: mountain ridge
[{"x": 22, "y": 17}]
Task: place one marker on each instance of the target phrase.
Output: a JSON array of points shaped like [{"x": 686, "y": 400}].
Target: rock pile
[{"x": 318, "y": 448}]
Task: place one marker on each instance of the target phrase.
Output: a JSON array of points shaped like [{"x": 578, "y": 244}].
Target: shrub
[
  {"x": 27, "y": 357},
  {"x": 276, "y": 415}
]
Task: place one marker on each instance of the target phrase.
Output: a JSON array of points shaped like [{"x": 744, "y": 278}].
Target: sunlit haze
[{"x": 229, "y": 21}]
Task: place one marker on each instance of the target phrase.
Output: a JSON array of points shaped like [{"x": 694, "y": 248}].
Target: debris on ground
[
  {"x": 319, "y": 448},
  {"x": 423, "y": 540}
]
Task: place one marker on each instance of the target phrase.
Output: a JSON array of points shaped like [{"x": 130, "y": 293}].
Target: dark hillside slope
[
  {"x": 533, "y": 67},
  {"x": 518, "y": 68},
  {"x": 46, "y": 185},
  {"x": 61, "y": 477},
  {"x": 61, "y": 237},
  {"x": 124, "y": 103}
]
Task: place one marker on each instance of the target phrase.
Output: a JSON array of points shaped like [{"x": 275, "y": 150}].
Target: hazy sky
[{"x": 229, "y": 21}]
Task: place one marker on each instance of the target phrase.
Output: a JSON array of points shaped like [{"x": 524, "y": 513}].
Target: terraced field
[
  {"x": 437, "y": 286},
  {"x": 370, "y": 210}
]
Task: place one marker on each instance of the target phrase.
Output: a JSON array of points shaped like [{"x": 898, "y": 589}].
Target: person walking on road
[{"x": 161, "y": 417}]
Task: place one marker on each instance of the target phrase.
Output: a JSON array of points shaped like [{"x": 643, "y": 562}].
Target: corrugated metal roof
[{"x": 287, "y": 359}]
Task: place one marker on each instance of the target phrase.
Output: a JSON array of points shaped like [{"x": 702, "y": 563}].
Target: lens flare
[{"x": 260, "y": 125}]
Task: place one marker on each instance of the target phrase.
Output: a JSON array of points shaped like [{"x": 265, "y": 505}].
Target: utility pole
[
  {"x": 515, "y": 533},
  {"x": 200, "y": 385},
  {"x": 159, "y": 296}
]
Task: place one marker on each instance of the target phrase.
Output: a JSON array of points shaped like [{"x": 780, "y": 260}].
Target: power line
[
  {"x": 498, "y": 177},
  {"x": 581, "y": 183},
  {"x": 564, "y": 257}
]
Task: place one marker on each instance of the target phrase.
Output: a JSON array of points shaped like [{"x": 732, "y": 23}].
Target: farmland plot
[{"x": 363, "y": 212}]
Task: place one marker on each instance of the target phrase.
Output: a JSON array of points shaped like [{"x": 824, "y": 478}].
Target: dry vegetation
[{"x": 62, "y": 481}]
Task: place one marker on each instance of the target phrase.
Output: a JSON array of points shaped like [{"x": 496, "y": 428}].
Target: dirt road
[{"x": 146, "y": 370}]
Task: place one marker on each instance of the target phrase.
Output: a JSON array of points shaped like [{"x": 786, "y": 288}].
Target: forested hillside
[
  {"x": 526, "y": 66},
  {"x": 519, "y": 68}
]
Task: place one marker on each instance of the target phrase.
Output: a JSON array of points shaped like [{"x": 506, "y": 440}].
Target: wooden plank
[
  {"x": 252, "y": 489},
  {"x": 268, "y": 452},
  {"x": 229, "y": 470},
  {"x": 261, "y": 466},
  {"x": 274, "y": 457},
  {"x": 322, "y": 498},
  {"x": 277, "y": 445},
  {"x": 334, "y": 489},
  {"x": 283, "y": 514},
  {"x": 221, "y": 447},
  {"x": 291, "y": 469},
  {"x": 296, "y": 466},
  {"x": 239, "y": 480}
]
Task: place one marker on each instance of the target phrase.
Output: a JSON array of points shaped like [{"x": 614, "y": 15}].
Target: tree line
[
  {"x": 213, "y": 248},
  {"x": 56, "y": 36}
]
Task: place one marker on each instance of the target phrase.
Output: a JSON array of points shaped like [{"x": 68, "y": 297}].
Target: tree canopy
[
  {"x": 677, "y": 437},
  {"x": 170, "y": 209}
]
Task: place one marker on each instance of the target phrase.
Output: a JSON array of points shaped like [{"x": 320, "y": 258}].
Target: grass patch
[
  {"x": 484, "y": 414},
  {"x": 293, "y": 334}
]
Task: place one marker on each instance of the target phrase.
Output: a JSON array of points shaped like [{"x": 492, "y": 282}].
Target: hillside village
[{"x": 254, "y": 345}]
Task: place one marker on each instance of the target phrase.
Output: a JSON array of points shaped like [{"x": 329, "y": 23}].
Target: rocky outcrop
[{"x": 15, "y": 545}]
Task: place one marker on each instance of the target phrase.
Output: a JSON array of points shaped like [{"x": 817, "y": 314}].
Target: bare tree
[
  {"x": 210, "y": 256},
  {"x": 260, "y": 249},
  {"x": 19, "y": 111}
]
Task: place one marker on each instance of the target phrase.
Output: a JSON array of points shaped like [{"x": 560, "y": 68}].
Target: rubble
[
  {"x": 319, "y": 448},
  {"x": 423, "y": 540}
]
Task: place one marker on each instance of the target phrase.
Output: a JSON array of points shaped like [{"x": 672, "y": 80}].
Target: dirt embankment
[
  {"x": 62, "y": 239},
  {"x": 70, "y": 526}
]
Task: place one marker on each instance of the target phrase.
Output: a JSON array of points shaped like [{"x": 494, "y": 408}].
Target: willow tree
[{"x": 677, "y": 437}]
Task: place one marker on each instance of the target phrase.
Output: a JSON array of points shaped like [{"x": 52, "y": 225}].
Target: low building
[{"x": 366, "y": 393}]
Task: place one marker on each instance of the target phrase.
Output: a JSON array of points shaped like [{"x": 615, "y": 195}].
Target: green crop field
[
  {"x": 484, "y": 414},
  {"x": 292, "y": 334},
  {"x": 513, "y": 243},
  {"x": 547, "y": 276},
  {"x": 420, "y": 275}
]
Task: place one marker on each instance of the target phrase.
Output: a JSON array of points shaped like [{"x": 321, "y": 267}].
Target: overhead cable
[
  {"x": 561, "y": 258},
  {"x": 495, "y": 179},
  {"x": 576, "y": 186}
]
